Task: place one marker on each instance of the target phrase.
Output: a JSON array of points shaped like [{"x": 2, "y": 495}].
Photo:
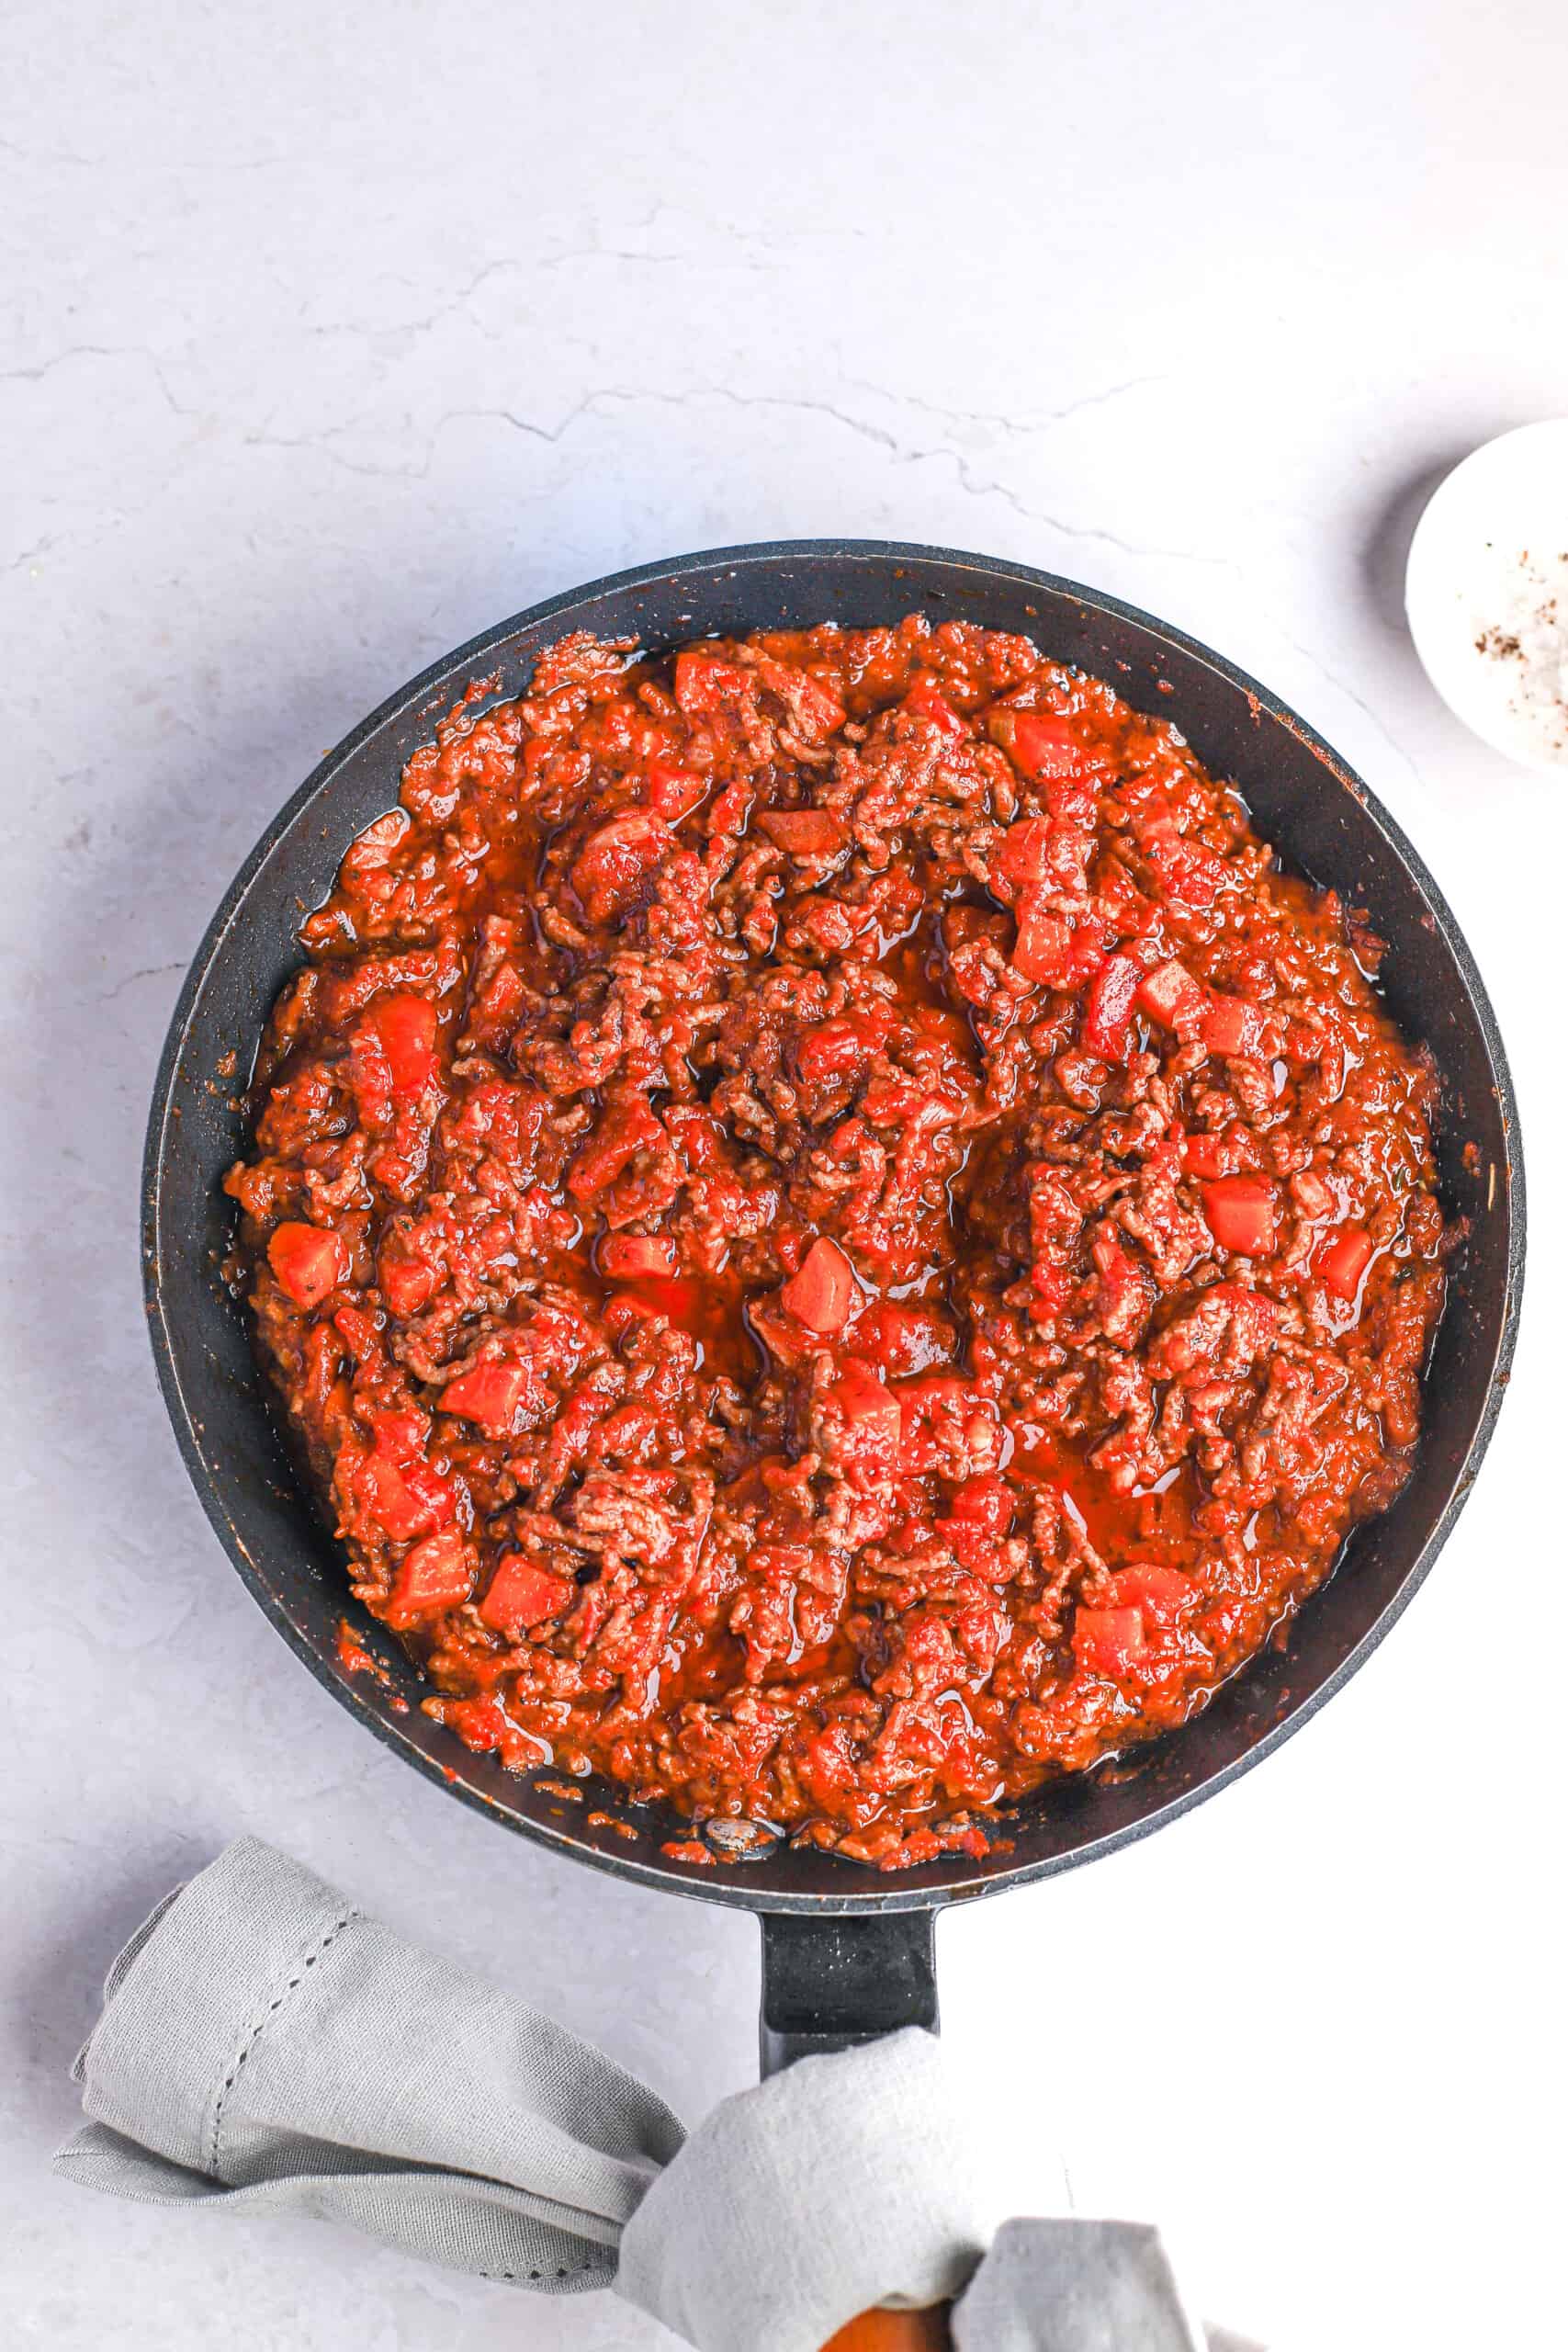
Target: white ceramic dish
[{"x": 1486, "y": 592}]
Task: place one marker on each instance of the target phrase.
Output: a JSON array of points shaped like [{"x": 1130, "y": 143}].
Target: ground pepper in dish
[{"x": 841, "y": 1239}]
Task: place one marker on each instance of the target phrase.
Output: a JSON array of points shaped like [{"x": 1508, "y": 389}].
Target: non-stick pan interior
[{"x": 1323, "y": 821}]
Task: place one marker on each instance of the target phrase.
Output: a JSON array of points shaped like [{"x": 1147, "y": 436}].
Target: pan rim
[{"x": 932, "y": 1887}]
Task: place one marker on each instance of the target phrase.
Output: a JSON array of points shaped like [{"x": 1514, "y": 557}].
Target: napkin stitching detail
[
  {"x": 563, "y": 2270},
  {"x": 273, "y": 2006}
]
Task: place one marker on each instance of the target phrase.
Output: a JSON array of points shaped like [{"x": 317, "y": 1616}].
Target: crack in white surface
[
  {"x": 30, "y": 555},
  {"x": 657, "y": 211},
  {"x": 500, "y": 264},
  {"x": 968, "y": 477},
  {"x": 36, "y": 155},
  {"x": 608, "y": 252},
  {"x": 62, "y": 358},
  {"x": 36, "y": 374},
  {"x": 862, "y": 427},
  {"x": 147, "y": 972},
  {"x": 1024, "y": 427},
  {"x": 590, "y": 403}
]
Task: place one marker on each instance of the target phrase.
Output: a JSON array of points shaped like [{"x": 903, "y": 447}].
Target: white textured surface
[{"x": 343, "y": 331}]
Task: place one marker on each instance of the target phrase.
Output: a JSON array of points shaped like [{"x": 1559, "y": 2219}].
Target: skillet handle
[{"x": 830, "y": 1983}]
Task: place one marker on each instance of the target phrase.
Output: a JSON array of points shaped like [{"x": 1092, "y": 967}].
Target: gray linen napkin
[
  {"x": 264, "y": 2045},
  {"x": 845, "y": 2182},
  {"x": 1072, "y": 2286}
]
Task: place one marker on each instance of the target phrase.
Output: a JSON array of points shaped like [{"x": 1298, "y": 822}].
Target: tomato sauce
[{"x": 840, "y": 1239}]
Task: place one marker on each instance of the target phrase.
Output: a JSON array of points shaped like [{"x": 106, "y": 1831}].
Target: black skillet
[{"x": 847, "y": 1954}]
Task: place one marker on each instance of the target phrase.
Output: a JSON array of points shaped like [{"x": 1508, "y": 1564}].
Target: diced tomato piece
[
  {"x": 1023, "y": 854},
  {"x": 394, "y": 1481},
  {"x": 904, "y": 1339},
  {"x": 488, "y": 1395},
  {"x": 396, "y": 1513},
  {"x": 704, "y": 682},
  {"x": 730, "y": 811},
  {"x": 1172, "y": 996},
  {"x": 308, "y": 1263},
  {"x": 672, "y": 793},
  {"x": 1085, "y": 950},
  {"x": 838, "y": 1049},
  {"x": 376, "y": 1487},
  {"x": 803, "y": 832},
  {"x": 872, "y": 1415},
  {"x": 611, "y": 868},
  {"x": 1042, "y": 950},
  {"x": 1114, "y": 1640},
  {"x": 437, "y": 1575},
  {"x": 636, "y": 1257},
  {"x": 397, "y": 1503},
  {"x": 925, "y": 700},
  {"x": 427, "y": 1490},
  {"x": 1231, "y": 1025},
  {"x": 1313, "y": 1193},
  {"x": 479, "y": 1723},
  {"x": 814, "y": 709},
  {"x": 1107, "y": 1014},
  {"x": 405, "y": 1024},
  {"x": 357, "y": 1332},
  {"x": 827, "y": 1765},
  {"x": 398, "y": 1432},
  {"x": 502, "y": 999},
  {"x": 977, "y": 1552},
  {"x": 1107, "y": 1641},
  {"x": 1189, "y": 872},
  {"x": 987, "y": 1501},
  {"x": 1203, "y": 1154},
  {"x": 521, "y": 1594},
  {"x": 821, "y": 704},
  {"x": 1240, "y": 1215},
  {"x": 374, "y": 845},
  {"x": 1160, "y": 1593},
  {"x": 408, "y": 1282},
  {"x": 1063, "y": 963},
  {"x": 1037, "y": 855},
  {"x": 1344, "y": 1259},
  {"x": 1043, "y": 745},
  {"x": 625, "y": 1128},
  {"x": 823, "y": 1293},
  {"x": 482, "y": 1724},
  {"x": 931, "y": 1410}
]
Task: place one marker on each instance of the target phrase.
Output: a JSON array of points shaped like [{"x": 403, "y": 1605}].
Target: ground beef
[{"x": 839, "y": 1237}]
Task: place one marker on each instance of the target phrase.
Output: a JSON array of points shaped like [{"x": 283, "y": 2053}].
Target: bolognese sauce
[{"x": 840, "y": 1239}]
